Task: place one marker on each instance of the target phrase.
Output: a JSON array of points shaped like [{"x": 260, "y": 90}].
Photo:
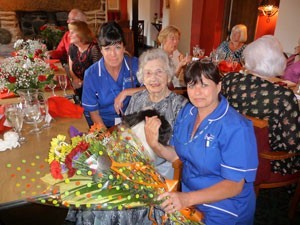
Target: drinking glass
[
  {"x": 63, "y": 82},
  {"x": 33, "y": 113},
  {"x": 15, "y": 117},
  {"x": 52, "y": 86},
  {"x": 45, "y": 112}
]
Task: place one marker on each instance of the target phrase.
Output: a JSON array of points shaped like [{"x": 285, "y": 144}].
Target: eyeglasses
[{"x": 158, "y": 72}]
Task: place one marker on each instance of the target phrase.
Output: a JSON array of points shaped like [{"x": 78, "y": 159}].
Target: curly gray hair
[
  {"x": 152, "y": 54},
  {"x": 265, "y": 57}
]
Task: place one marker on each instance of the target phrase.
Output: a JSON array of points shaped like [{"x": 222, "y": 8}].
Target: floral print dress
[{"x": 253, "y": 96}]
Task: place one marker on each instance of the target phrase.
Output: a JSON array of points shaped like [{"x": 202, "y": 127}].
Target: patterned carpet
[{"x": 272, "y": 208}]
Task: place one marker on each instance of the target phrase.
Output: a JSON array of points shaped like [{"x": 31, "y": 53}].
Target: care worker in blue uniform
[
  {"x": 217, "y": 146},
  {"x": 110, "y": 82}
]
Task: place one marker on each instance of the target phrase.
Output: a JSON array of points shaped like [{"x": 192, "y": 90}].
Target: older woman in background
[
  {"x": 155, "y": 72},
  {"x": 292, "y": 70},
  {"x": 169, "y": 38},
  {"x": 84, "y": 51},
  {"x": 255, "y": 94},
  {"x": 236, "y": 45}
]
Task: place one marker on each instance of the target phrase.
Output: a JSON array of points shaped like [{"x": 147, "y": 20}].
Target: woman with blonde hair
[
  {"x": 83, "y": 52},
  {"x": 236, "y": 45},
  {"x": 169, "y": 38}
]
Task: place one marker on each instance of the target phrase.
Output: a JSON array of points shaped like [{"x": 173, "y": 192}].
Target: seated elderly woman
[
  {"x": 236, "y": 45},
  {"x": 254, "y": 94},
  {"x": 155, "y": 72},
  {"x": 292, "y": 70},
  {"x": 169, "y": 38}
]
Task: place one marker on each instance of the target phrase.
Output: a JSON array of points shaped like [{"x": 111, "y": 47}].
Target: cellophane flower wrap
[{"x": 106, "y": 171}]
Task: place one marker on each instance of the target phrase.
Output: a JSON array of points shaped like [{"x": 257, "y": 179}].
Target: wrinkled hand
[
  {"x": 174, "y": 201},
  {"x": 118, "y": 103},
  {"x": 184, "y": 60},
  {"x": 152, "y": 125}
]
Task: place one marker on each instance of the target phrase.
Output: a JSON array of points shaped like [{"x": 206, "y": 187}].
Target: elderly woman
[
  {"x": 84, "y": 51},
  {"x": 255, "y": 94},
  {"x": 217, "y": 176},
  {"x": 155, "y": 72},
  {"x": 236, "y": 45},
  {"x": 292, "y": 70},
  {"x": 109, "y": 83},
  {"x": 169, "y": 38}
]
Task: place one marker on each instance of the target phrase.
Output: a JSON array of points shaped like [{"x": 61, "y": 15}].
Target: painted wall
[
  {"x": 147, "y": 8},
  {"x": 287, "y": 29},
  {"x": 180, "y": 15}
]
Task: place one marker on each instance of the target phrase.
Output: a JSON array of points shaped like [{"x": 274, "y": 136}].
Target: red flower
[
  {"x": 43, "y": 27},
  {"x": 12, "y": 79},
  {"x": 55, "y": 170},
  {"x": 61, "y": 28},
  {"x": 81, "y": 147},
  {"x": 42, "y": 78}
]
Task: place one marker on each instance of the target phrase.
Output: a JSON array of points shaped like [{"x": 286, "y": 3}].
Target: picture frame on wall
[{"x": 113, "y": 4}]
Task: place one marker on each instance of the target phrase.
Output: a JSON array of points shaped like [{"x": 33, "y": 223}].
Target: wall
[
  {"x": 180, "y": 15},
  {"x": 147, "y": 8},
  {"x": 287, "y": 29}
]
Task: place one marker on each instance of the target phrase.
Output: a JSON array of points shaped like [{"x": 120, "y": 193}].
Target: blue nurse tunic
[
  {"x": 223, "y": 147},
  {"x": 100, "y": 89}
]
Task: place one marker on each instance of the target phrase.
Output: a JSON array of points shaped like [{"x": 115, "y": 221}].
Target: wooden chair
[{"x": 265, "y": 178}]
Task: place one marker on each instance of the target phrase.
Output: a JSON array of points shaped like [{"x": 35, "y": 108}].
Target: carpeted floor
[{"x": 272, "y": 208}]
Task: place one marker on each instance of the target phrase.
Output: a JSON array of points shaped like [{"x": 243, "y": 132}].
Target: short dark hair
[
  {"x": 197, "y": 69},
  {"x": 111, "y": 33}
]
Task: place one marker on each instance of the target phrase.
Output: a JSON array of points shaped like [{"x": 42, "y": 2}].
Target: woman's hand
[
  {"x": 76, "y": 83},
  {"x": 174, "y": 201},
  {"x": 152, "y": 125},
  {"x": 118, "y": 103}
]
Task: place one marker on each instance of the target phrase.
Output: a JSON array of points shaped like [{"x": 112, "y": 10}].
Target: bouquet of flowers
[
  {"x": 20, "y": 72},
  {"x": 103, "y": 170},
  {"x": 30, "y": 48},
  {"x": 52, "y": 34}
]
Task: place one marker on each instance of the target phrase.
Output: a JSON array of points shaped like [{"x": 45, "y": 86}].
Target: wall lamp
[{"x": 268, "y": 8}]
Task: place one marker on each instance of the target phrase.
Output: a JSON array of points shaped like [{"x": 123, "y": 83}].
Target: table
[{"x": 21, "y": 168}]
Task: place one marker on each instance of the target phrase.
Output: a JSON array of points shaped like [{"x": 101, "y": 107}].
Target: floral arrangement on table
[
  {"x": 52, "y": 34},
  {"x": 103, "y": 170},
  {"x": 30, "y": 48},
  {"x": 21, "y": 72}
]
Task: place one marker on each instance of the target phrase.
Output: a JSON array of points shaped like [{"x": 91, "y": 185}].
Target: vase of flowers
[
  {"x": 52, "y": 35},
  {"x": 30, "y": 48},
  {"x": 22, "y": 72}
]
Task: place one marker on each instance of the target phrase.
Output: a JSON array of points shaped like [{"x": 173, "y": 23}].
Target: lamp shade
[{"x": 269, "y": 7}]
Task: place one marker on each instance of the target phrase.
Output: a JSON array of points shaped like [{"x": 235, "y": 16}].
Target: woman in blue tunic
[
  {"x": 110, "y": 82},
  {"x": 218, "y": 149}
]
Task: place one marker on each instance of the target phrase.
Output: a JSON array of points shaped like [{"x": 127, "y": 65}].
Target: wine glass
[
  {"x": 45, "y": 112},
  {"x": 52, "y": 86},
  {"x": 15, "y": 117},
  {"x": 33, "y": 113},
  {"x": 63, "y": 82}
]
